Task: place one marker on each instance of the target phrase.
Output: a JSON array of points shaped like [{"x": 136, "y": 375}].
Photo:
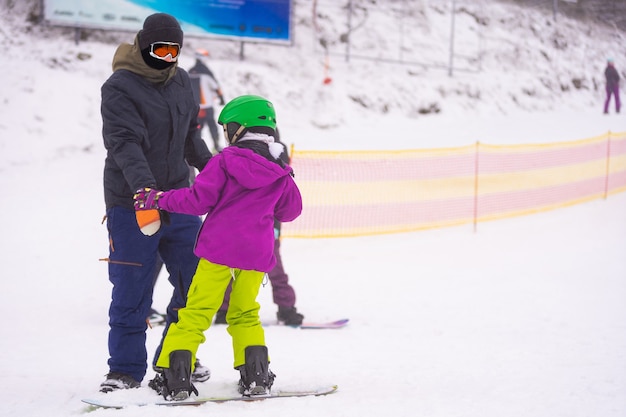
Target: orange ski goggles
[{"x": 165, "y": 51}]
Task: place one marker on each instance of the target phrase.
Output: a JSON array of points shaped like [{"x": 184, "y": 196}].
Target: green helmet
[{"x": 249, "y": 111}]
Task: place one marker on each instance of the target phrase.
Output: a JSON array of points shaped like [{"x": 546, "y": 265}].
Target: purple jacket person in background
[
  {"x": 242, "y": 191},
  {"x": 612, "y": 86}
]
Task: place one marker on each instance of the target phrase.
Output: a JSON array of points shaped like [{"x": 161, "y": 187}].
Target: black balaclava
[{"x": 159, "y": 27}]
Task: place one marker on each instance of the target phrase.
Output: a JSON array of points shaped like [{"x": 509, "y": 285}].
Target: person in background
[
  {"x": 241, "y": 190},
  {"x": 283, "y": 293},
  {"x": 150, "y": 135},
  {"x": 612, "y": 86},
  {"x": 206, "y": 90}
]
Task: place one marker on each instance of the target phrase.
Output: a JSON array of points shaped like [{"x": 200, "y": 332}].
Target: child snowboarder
[
  {"x": 283, "y": 293},
  {"x": 241, "y": 191}
]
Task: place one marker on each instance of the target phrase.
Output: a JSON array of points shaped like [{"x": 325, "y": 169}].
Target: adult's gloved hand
[
  {"x": 149, "y": 221},
  {"x": 147, "y": 198}
]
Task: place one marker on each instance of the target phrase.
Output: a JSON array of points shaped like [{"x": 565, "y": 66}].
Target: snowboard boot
[
  {"x": 155, "y": 318},
  {"x": 177, "y": 377},
  {"x": 115, "y": 381},
  {"x": 289, "y": 316},
  {"x": 158, "y": 383},
  {"x": 256, "y": 377},
  {"x": 200, "y": 373}
]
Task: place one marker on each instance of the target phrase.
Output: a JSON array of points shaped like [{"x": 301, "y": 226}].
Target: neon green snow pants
[{"x": 205, "y": 297}]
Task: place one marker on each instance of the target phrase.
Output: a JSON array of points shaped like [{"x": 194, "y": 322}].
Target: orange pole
[
  {"x": 608, "y": 165},
  {"x": 476, "y": 167}
]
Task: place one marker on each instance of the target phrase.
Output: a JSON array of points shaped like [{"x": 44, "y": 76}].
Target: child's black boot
[
  {"x": 256, "y": 377},
  {"x": 177, "y": 378}
]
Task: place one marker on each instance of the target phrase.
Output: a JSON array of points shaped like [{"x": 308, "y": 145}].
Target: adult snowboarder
[{"x": 149, "y": 131}]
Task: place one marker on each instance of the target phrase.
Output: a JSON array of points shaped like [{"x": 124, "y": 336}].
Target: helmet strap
[{"x": 240, "y": 132}]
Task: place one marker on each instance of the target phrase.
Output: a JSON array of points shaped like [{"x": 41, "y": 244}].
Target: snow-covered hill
[
  {"x": 520, "y": 60},
  {"x": 507, "y": 57},
  {"x": 523, "y": 318}
]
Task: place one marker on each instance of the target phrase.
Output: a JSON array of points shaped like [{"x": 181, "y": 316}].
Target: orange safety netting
[{"x": 356, "y": 193}]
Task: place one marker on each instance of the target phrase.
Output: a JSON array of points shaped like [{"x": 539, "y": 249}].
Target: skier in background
[
  {"x": 206, "y": 90},
  {"x": 612, "y": 86}
]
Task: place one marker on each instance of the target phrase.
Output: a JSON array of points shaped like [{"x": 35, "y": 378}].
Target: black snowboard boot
[
  {"x": 289, "y": 316},
  {"x": 116, "y": 381},
  {"x": 200, "y": 373},
  {"x": 256, "y": 377},
  {"x": 177, "y": 378},
  {"x": 158, "y": 383}
]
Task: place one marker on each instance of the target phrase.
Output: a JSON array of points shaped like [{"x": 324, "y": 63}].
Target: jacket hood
[
  {"x": 129, "y": 57},
  {"x": 251, "y": 170}
]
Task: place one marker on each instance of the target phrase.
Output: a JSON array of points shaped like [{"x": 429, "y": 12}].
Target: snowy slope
[{"x": 523, "y": 318}]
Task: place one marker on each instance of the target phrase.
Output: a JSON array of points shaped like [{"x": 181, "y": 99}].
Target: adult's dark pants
[{"x": 133, "y": 258}]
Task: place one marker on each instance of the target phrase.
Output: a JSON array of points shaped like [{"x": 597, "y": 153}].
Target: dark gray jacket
[
  {"x": 150, "y": 134},
  {"x": 612, "y": 76}
]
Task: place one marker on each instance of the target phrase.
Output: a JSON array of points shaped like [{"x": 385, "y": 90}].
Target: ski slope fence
[{"x": 358, "y": 193}]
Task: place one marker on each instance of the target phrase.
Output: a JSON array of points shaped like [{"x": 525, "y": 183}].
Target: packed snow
[{"x": 522, "y": 317}]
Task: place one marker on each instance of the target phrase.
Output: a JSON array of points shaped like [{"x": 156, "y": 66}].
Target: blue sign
[{"x": 241, "y": 19}]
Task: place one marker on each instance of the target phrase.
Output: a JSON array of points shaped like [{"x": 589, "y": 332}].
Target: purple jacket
[{"x": 241, "y": 193}]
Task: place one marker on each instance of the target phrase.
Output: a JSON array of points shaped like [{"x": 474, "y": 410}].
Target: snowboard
[
  {"x": 104, "y": 402},
  {"x": 337, "y": 324}
]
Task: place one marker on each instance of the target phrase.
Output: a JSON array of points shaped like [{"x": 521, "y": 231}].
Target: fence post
[
  {"x": 451, "y": 62},
  {"x": 241, "y": 53},
  {"x": 349, "y": 31},
  {"x": 476, "y": 169},
  {"x": 608, "y": 165}
]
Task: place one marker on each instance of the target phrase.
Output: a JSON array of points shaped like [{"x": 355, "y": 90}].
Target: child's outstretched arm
[{"x": 201, "y": 197}]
